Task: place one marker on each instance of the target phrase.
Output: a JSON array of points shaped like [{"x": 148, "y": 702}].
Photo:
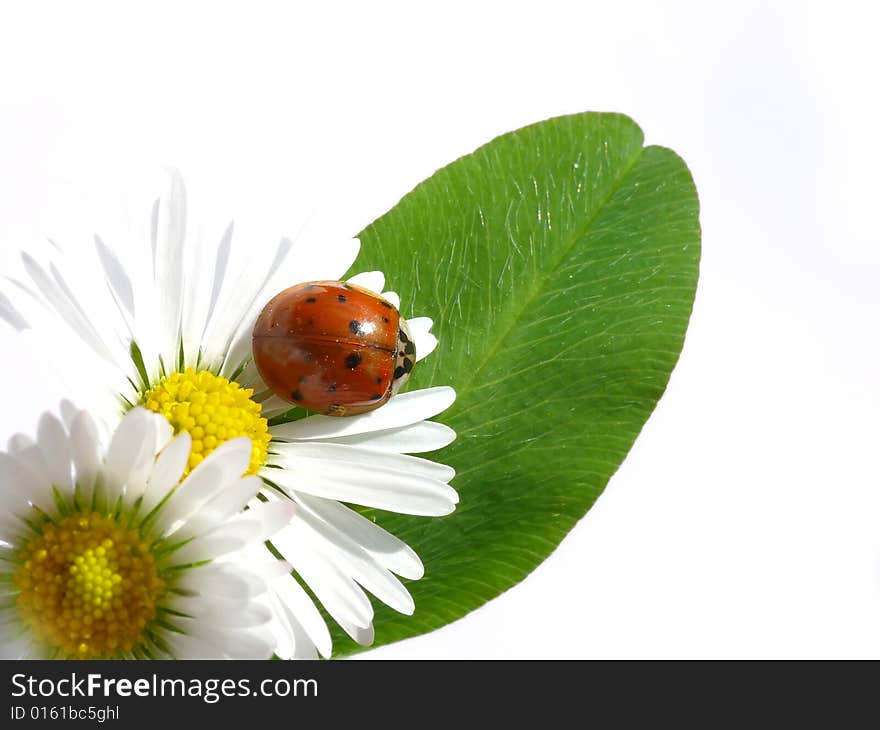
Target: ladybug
[{"x": 332, "y": 347}]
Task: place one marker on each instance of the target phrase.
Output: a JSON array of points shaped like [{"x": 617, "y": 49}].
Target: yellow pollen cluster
[
  {"x": 213, "y": 409},
  {"x": 87, "y": 587}
]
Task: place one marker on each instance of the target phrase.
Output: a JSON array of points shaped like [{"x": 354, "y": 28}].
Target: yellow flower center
[
  {"x": 87, "y": 587},
  {"x": 213, "y": 409}
]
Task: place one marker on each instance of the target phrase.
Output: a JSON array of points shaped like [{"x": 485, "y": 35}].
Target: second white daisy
[{"x": 107, "y": 555}]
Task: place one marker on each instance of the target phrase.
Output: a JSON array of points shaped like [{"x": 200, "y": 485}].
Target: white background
[{"x": 746, "y": 520}]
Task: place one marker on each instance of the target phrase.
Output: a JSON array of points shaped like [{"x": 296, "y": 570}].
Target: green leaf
[{"x": 559, "y": 263}]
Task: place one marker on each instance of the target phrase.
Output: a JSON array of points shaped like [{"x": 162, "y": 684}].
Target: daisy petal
[
  {"x": 230, "y": 501},
  {"x": 392, "y": 298},
  {"x": 425, "y": 342},
  {"x": 116, "y": 275},
  {"x": 420, "y": 324},
  {"x": 18, "y": 647},
  {"x": 12, "y": 316},
  {"x": 372, "y": 280},
  {"x": 337, "y": 592},
  {"x": 255, "y": 525},
  {"x": 233, "y": 456},
  {"x": 185, "y": 646},
  {"x": 241, "y": 321},
  {"x": 222, "y": 466},
  {"x": 327, "y": 261},
  {"x": 21, "y": 485},
  {"x": 130, "y": 455},
  {"x": 302, "y": 609},
  {"x": 168, "y": 264},
  {"x": 364, "y": 636},
  {"x": 350, "y": 558},
  {"x": 269, "y": 518},
  {"x": 222, "y": 580},
  {"x": 236, "y": 644},
  {"x": 291, "y": 639},
  {"x": 11, "y": 528},
  {"x": 220, "y": 264},
  {"x": 401, "y": 410},
  {"x": 19, "y": 442},
  {"x": 218, "y": 613},
  {"x": 316, "y": 454},
  {"x": 31, "y": 457},
  {"x": 167, "y": 471},
  {"x": 68, "y": 412},
  {"x": 55, "y": 447},
  {"x": 414, "y": 439},
  {"x": 273, "y": 405},
  {"x": 213, "y": 545},
  {"x": 379, "y": 487},
  {"x": 66, "y": 309},
  {"x": 388, "y": 550},
  {"x": 162, "y": 429},
  {"x": 202, "y": 484},
  {"x": 86, "y": 459}
]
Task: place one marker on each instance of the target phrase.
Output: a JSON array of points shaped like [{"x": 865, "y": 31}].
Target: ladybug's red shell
[{"x": 332, "y": 347}]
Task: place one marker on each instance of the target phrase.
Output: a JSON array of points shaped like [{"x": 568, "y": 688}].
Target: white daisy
[
  {"x": 171, "y": 330},
  {"x": 109, "y": 555}
]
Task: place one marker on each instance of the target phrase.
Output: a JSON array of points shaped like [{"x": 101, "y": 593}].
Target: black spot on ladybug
[
  {"x": 379, "y": 380},
  {"x": 386, "y": 304},
  {"x": 296, "y": 395},
  {"x": 407, "y": 364},
  {"x": 385, "y": 320},
  {"x": 342, "y": 298},
  {"x": 403, "y": 337},
  {"x": 376, "y": 397},
  {"x": 311, "y": 300},
  {"x": 356, "y": 327},
  {"x": 332, "y": 388},
  {"x": 353, "y": 360},
  {"x": 399, "y": 372},
  {"x": 410, "y": 349}
]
